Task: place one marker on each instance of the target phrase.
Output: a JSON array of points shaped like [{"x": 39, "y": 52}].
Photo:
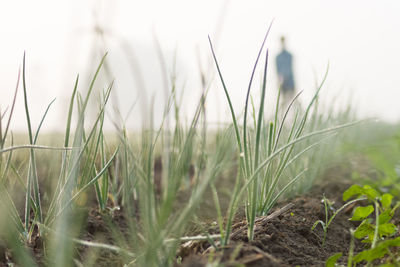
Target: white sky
[{"x": 360, "y": 39}]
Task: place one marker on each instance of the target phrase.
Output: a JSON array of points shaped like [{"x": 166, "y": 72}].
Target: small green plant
[
  {"x": 382, "y": 205},
  {"x": 380, "y": 251},
  {"x": 378, "y": 232},
  {"x": 328, "y": 220}
]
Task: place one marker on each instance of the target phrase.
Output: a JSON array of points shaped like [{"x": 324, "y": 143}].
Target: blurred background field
[{"x": 359, "y": 40}]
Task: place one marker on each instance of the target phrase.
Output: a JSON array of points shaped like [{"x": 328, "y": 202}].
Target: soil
[{"x": 284, "y": 238}]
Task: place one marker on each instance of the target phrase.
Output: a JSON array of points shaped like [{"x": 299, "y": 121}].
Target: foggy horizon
[{"x": 358, "y": 40}]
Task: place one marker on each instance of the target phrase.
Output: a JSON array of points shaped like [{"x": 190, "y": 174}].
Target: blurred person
[{"x": 285, "y": 74}]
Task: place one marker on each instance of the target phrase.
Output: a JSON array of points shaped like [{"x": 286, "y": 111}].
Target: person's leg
[{"x": 286, "y": 99}]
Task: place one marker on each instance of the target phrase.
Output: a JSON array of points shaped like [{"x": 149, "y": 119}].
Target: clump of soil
[{"x": 284, "y": 238}]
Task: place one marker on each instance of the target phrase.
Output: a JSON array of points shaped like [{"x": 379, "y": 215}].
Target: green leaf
[
  {"x": 371, "y": 254},
  {"x": 333, "y": 259},
  {"x": 364, "y": 229},
  {"x": 354, "y": 190},
  {"x": 370, "y": 193},
  {"x": 387, "y": 229},
  {"x": 378, "y": 252},
  {"x": 385, "y": 216},
  {"x": 360, "y": 213},
  {"x": 392, "y": 242},
  {"x": 386, "y": 200}
]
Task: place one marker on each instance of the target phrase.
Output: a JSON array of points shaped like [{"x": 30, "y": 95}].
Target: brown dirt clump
[{"x": 284, "y": 238}]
